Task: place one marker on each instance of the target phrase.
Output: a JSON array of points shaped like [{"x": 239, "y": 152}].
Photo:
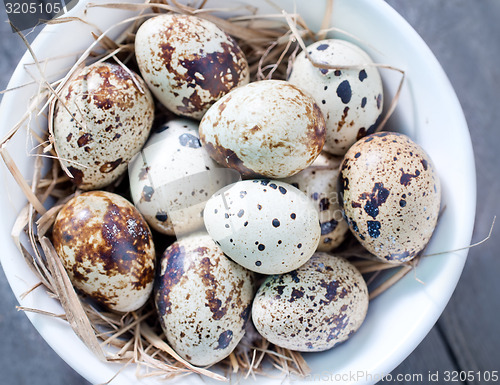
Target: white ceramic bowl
[{"x": 428, "y": 111}]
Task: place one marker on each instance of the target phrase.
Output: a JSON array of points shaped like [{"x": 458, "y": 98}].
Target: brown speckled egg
[
  {"x": 173, "y": 178},
  {"x": 203, "y": 299},
  {"x": 107, "y": 249},
  {"x": 188, "y": 62},
  {"x": 268, "y": 128},
  {"x": 269, "y": 227},
  {"x": 313, "y": 308},
  {"x": 106, "y": 122},
  {"x": 391, "y": 195},
  {"x": 351, "y": 99},
  {"x": 319, "y": 183}
]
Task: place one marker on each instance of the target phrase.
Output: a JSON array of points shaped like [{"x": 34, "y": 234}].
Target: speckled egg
[
  {"x": 269, "y": 227},
  {"x": 320, "y": 183},
  {"x": 107, "y": 249},
  {"x": 351, "y": 99},
  {"x": 188, "y": 62},
  {"x": 173, "y": 177},
  {"x": 313, "y": 308},
  {"x": 105, "y": 120},
  {"x": 391, "y": 195},
  {"x": 203, "y": 299},
  {"x": 268, "y": 128}
]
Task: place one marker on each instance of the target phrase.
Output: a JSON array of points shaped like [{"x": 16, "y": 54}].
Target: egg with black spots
[
  {"x": 266, "y": 226},
  {"x": 391, "y": 195},
  {"x": 319, "y": 183},
  {"x": 103, "y": 118},
  {"x": 107, "y": 249},
  {"x": 351, "y": 99},
  {"x": 172, "y": 178},
  {"x": 268, "y": 128},
  {"x": 188, "y": 62},
  {"x": 203, "y": 299},
  {"x": 313, "y": 308}
]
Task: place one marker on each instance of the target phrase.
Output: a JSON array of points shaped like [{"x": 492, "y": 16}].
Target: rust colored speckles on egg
[
  {"x": 106, "y": 299},
  {"x": 227, "y": 157},
  {"x": 211, "y": 284},
  {"x": 316, "y": 131},
  {"x": 216, "y": 72},
  {"x": 104, "y": 95},
  {"x": 174, "y": 270},
  {"x": 127, "y": 245},
  {"x": 110, "y": 166},
  {"x": 143, "y": 174},
  {"x": 77, "y": 175},
  {"x": 343, "y": 118},
  {"x": 193, "y": 104},
  {"x": 84, "y": 139}
]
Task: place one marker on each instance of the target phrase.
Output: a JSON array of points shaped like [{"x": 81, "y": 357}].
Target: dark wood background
[{"x": 465, "y": 37}]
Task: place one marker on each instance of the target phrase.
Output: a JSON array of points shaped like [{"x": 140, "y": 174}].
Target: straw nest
[{"x": 270, "y": 43}]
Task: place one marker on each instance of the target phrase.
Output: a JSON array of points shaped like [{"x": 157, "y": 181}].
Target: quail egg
[
  {"x": 107, "y": 249},
  {"x": 203, "y": 299},
  {"x": 269, "y": 227},
  {"x": 103, "y": 119},
  {"x": 391, "y": 195},
  {"x": 268, "y": 128},
  {"x": 188, "y": 62},
  {"x": 313, "y": 308},
  {"x": 351, "y": 99}
]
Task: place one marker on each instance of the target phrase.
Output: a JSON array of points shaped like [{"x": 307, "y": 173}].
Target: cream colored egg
[
  {"x": 313, "y": 308},
  {"x": 103, "y": 119},
  {"x": 320, "y": 183},
  {"x": 269, "y": 227},
  {"x": 173, "y": 177},
  {"x": 203, "y": 299},
  {"x": 351, "y": 99},
  {"x": 188, "y": 62},
  {"x": 391, "y": 195},
  {"x": 268, "y": 128},
  {"x": 107, "y": 249}
]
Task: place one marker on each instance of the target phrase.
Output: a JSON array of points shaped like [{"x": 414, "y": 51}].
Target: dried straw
[{"x": 270, "y": 42}]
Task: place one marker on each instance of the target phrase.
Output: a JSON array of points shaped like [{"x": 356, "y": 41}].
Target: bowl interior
[{"x": 428, "y": 111}]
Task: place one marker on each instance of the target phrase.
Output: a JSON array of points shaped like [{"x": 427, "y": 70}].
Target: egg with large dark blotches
[
  {"x": 267, "y": 226},
  {"x": 350, "y": 97},
  {"x": 391, "y": 195},
  {"x": 107, "y": 249},
  {"x": 268, "y": 128},
  {"x": 188, "y": 62},
  {"x": 319, "y": 183},
  {"x": 101, "y": 121},
  {"x": 313, "y": 308},
  {"x": 203, "y": 299}
]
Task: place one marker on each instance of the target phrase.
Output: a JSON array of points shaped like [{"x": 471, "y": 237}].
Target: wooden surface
[{"x": 465, "y": 37}]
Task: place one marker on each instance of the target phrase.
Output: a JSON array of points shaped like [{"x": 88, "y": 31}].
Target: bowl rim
[{"x": 48, "y": 328}]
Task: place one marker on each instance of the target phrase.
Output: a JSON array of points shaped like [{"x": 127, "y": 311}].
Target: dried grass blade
[
  {"x": 42, "y": 312},
  {"x": 34, "y": 287},
  {"x": 376, "y": 267},
  {"x": 70, "y": 302},
  {"x": 11, "y": 165},
  {"x": 326, "y": 20},
  {"x": 390, "y": 282}
]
